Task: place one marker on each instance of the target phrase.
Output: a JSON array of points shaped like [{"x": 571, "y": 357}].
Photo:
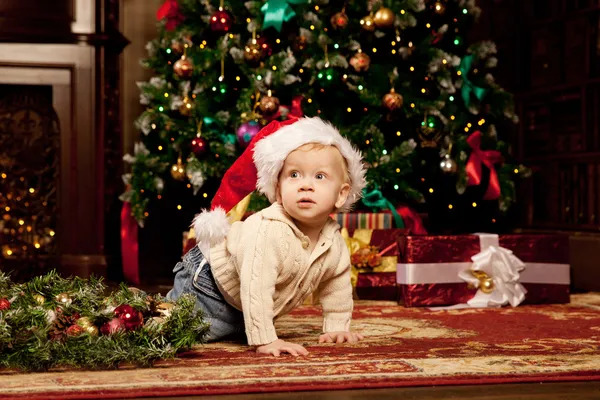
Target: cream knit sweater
[{"x": 264, "y": 269}]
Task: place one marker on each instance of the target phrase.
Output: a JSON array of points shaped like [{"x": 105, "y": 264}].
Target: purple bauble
[{"x": 247, "y": 131}]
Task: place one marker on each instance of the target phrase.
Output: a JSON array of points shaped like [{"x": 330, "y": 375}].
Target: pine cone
[{"x": 58, "y": 331}]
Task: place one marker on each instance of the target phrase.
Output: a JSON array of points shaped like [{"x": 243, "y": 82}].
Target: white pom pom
[{"x": 211, "y": 226}]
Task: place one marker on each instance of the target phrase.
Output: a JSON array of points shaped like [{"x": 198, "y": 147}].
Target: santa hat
[{"x": 259, "y": 165}]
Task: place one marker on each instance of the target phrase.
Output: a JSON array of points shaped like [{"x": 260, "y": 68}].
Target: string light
[
  {"x": 466, "y": 129},
  {"x": 31, "y": 190},
  {"x": 450, "y": 206},
  {"x": 276, "y": 41},
  {"x": 474, "y": 204},
  {"x": 367, "y": 141},
  {"x": 316, "y": 8},
  {"x": 412, "y": 105},
  {"x": 481, "y": 122},
  {"x": 516, "y": 171},
  {"x": 248, "y": 20},
  {"x": 393, "y": 51},
  {"x": 312, "y": 27},
  {"x": 384, "y": 152},
  {"x": 444, "y": 61},
  {"x": 146, "y": 214},
  {"x": 274, "y": 68},
  {"x": 52, "y": 233},
  {"x": 469, "y": 124},
  {"x": 396, "y": 187},
  {"x": 349, "y": 109},
  {"x": 179, "y": 206},
  {"x": 166, "y": 94},
  {"x": 451, "y": 98},
  {"x": 430, "y": 190},
  {"x": 465, "y": 11},
  {"x": 204, "y": 195},
  {"x": 153, "y": 126},
  {"x": 3, "y": 175},
  {"x": 237, "y": 78},
  {"x": 412, "y": 69},
  {"x": 398, "y": 133},
  {"x": 428, "y": 25},
  {"x": 393, "y": 43},
  {"x": 397, "y": 170},
  {"x": 360, "y": 87},
  {"x": 309, "y": 101},
  {"x": 336, "y": 46},
  {"x": 259, "y": 77},
  {"x": 374, "y": 50},
  {"x": 402, "y": 12},
  {"x": 168, "y": 51},
  {"x": 458, "y": 73},
  {"x": 161, "y": 109},
  {"x": 159, "y": 197},
  {"x": 301, "y": 70},
  {"x": 452, "y": 117}
]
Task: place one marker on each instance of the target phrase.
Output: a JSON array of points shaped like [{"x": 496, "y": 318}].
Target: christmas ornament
[
  {"x": 360, "y": 62},
  {"x": 367, "y": 23},
  {"x": 269, "y": 104},
  {"x": 384, "y": 18},
  {"x": 393, "y": 100},
  {"x": 327, "y": 76},
  {"x": 112, "y": 326},
  {"x": 178, "y": 170},
  {"x": 64, "y": 299},
  {"x": 183, "y": 67},
  {"x": 165, "y": 309},
  {"x": 88, "y": 326},
  {"x": 4, "y": 304},
  {"x": 39, "y": 299},
  {"x": 177, "y": 47},
  {"x": 429, "y": 133},
  {"x": 74, "y": 330},
  {"x": 185, "y": 108},
  {"x": 131, "y": 318},
  {"x": 339, "y": 20},
  {"x": 448, "y": 165},
  {"x": 221, "y": 21},
  {"x": 439, "y": 7},
  {"x": 199, "y": 146},
  {"x": 253, "y": 52},
  {"x": 300, "y": 43},
  {"x": 247, "y": 131}
]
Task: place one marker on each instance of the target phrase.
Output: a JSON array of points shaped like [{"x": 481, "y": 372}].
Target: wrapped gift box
[
  {"x": 353, "y": 221},
  {"x": 377, "y": 282},
  {"x": 429, "y": 267}
]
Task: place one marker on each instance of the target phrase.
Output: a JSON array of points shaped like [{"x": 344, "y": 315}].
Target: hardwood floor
[{"x": 523, "y": 391}]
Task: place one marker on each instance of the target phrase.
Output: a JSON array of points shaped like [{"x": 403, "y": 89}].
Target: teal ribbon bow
[
  {"x": 277, "y": 12},
  {"x": 468, "y": 87},
  {"x": 375, "y": 199},
  {"x": 212, "y": 124}
]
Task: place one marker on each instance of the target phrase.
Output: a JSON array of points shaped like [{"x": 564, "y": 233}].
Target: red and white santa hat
[{"x": 259, "y": 165}]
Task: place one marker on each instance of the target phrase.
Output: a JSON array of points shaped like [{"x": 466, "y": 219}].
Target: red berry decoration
[
  {"x": 112, "y": 326},
  {"x": 4, "y": 304},
  {"x": 131, "y": 318},
  {"x": 221, "y": 21}
]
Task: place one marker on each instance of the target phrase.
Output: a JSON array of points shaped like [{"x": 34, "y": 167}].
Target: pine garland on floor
[{"x": 53, "y": 322}]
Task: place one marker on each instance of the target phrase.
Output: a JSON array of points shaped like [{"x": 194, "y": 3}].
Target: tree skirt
[{"x": 403, "y": 347}]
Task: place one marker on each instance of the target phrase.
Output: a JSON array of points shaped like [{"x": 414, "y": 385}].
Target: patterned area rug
[{"x": 403, "y": 347}]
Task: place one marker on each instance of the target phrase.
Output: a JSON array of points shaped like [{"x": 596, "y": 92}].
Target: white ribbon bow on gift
[{"x": 495, "y": 272}]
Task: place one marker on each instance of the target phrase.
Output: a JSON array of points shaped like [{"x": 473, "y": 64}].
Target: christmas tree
[{"x": 398, "y": 78}]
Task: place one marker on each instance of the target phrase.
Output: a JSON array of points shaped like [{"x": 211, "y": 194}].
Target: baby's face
[{"x": 312, "y": 183}]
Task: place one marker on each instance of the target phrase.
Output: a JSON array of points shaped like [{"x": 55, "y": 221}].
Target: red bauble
[
  {"x": 199, "y": 146},
  {"x": 221, "y": 21},
  {"x": 131, "y": 318},
  {"x": 360, "y": 62},
  {"x": 339, "y": 20},
  {"x": 112, "y": 326},
  {"x": 183, "y": 67},
  {"x": 75, "y": 330},
  {"x": 4, "y": 304}
]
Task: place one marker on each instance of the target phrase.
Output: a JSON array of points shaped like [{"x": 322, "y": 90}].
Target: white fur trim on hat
[
  {"x": 271, "y": 152},
  {"x": 211, "y": 226}
]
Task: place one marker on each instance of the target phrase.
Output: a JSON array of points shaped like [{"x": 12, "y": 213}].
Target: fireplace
[{"x": 60, "y": 144}]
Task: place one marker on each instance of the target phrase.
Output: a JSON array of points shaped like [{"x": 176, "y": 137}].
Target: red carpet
[{"x": 403, "y": 347}]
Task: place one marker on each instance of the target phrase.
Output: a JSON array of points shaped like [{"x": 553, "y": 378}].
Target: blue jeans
[{"x": 193, "y": 275}]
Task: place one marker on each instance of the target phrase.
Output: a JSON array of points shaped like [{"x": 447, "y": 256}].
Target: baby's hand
[
  {"x": 280, "y": 346},
  {"x": 340, "y": 337}
]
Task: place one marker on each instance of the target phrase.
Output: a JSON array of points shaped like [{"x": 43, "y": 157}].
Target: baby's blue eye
[
  {"x": 294, "y": 174},
  {"x": 320, "y": 176}
]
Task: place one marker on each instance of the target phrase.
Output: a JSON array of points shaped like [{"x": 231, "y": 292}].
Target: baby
[{"x": 247, "y": 274}]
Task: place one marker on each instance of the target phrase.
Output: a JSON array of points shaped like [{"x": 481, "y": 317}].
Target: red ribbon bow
[
  {"x": 170, "y": 11},
  {"x": 488, "y": 158},
  {"x": 293, "y": 112}
]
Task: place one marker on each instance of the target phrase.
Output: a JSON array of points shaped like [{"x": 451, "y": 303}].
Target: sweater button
[{"x": 305, "y": 243}]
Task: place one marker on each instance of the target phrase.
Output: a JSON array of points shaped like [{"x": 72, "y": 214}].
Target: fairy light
[
  {"x": 384, "y": 152},
  {"x": 458, "y": 73},
  {"x": 474, "y": 204},
  {"x": 205, "y": 195},
  {"x": 469, "y": 125},
  {"x": 21, "y": 222},
  {"x": 423, "y": 90},
  {"x": 349, "y": 109},
  {"x": 451, "y": 98},
  {"x": 450, "y": 206},
  {"x": 397, "y": 170},
  {"x": 7, "y": 208},
  {"x": 52, "y": 233},
  {"x": 367, "y": 141},
  {"x": 166, "y": 94},
  {"x": 168, "y": 51},
  {"x": 430, "y": 190},
  {"x": 31, "y": 190},
  {"x": 516, "y": 171},
  {"x": 274, "y": 68},
  {"x": 161, "y": 109},
  {"x": 259, "y": 77},
  {"x": 336, "y": 46},
  {"x": 360, "y": 87},
  {"x": 3, "y": 175},
  {"x": 159, "y": 197},
  {"x": 248, "y": 20},
  {"x": 393, "y": 42},
  {"x": 309, "y": 101},
  {"x": 412, "y": 105},
  {"x": 153, "y": 126},
  {"x": 276, "y": 41},
  {"x": 452, "y": 117},
  {"x": 312, "y": 27},
  {"x": 396, "y": 187},
  {"x": 398, "y": 133},
  {"x": 301, "y": 70},
  {"x": 179, "y": 206},
  {"x": 444, "y": 61},
  {"x": 37, "y": 245},
  {"x": 428, "y": 25},
  {"x": 374, "y": 50},
  {"x": 466, "y": 129},
  {"x": 402, "y": 12},
  {"x": 146, "y": 214},
  {"x": 393, "y": 51},
  {"x": 412, "y": 69},
  {"x": 481, "y": 122},
  {"x": 316, "y": 8},
  {"x": 410, "y": 44},
  {"x": 465, "y": 11}
]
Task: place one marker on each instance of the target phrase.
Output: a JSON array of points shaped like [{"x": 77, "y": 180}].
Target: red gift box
[
  {"x": 378, "y": 283},
  {"x": 429, "y": 267}
]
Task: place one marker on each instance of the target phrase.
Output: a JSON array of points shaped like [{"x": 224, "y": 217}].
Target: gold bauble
[
  {"x": 448, "y": 165},
  {"x": 253, "y": 52},
  {"x": 393, "y": 100},
  {"x": 39, "y": 299},
  {"x": 269, "y": 104},
  {"x": 64, "y": 299},
  {"x": 84, "y": 322},
  {"x": 185, "y": 108},
  {"x": 384, "y": 18},
  {"x": 164, "y": 309},
  {"x": 367, "y": 23},
  {"x": 91, "y": 330},
  {"x": 183, "y": 67},
  {"x": 360, "y": 62},
  {"x": 339, "y": 20},
  {"x": 486, "y": 285},
  {"x": 178, "y": 170}
]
